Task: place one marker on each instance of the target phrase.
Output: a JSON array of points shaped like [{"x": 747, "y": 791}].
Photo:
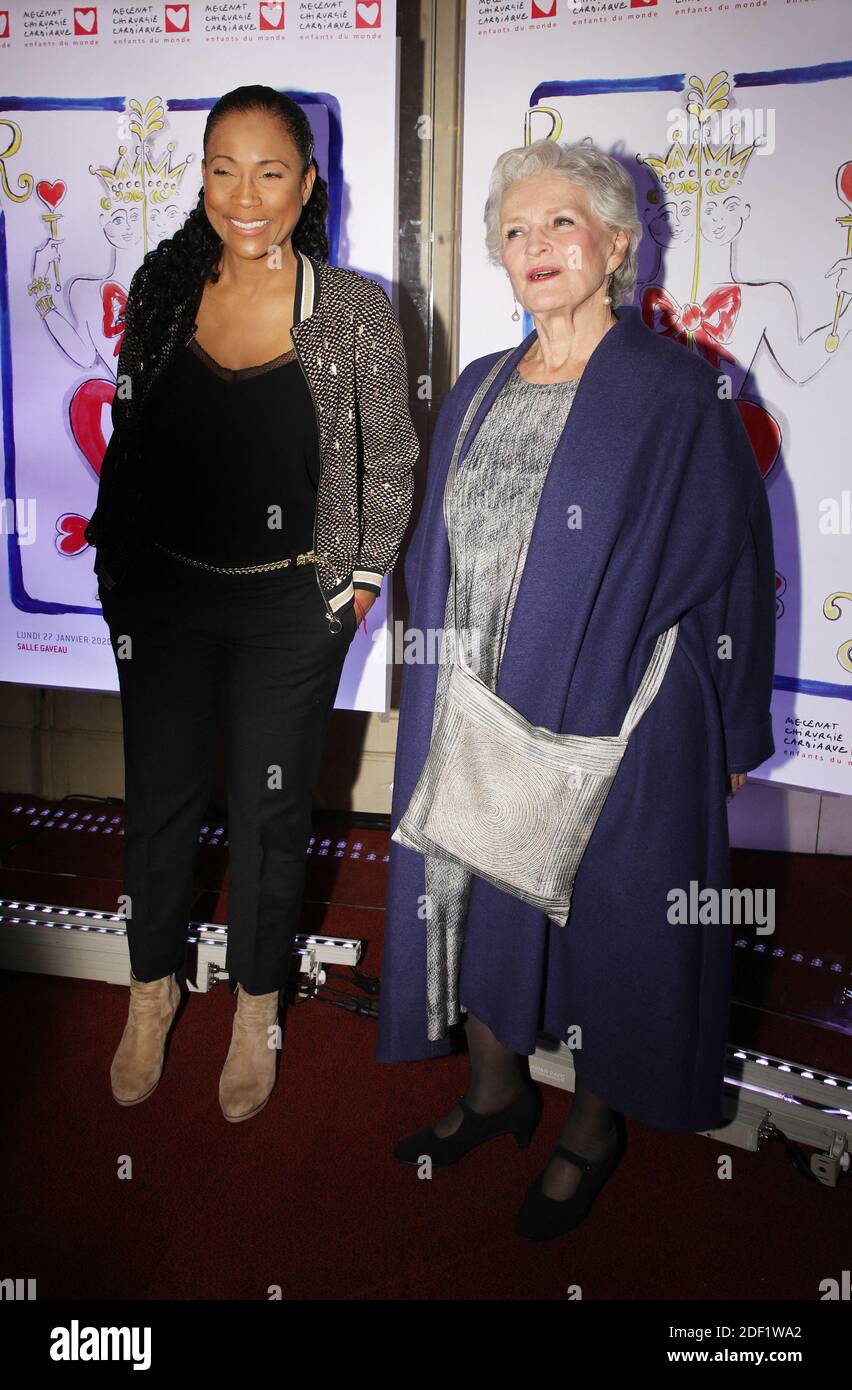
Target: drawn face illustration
[
  {"x": 723, "y": 217},
  {"x": 673, "y": 222},
  {"x": 123, "y": 225},
  {"x": 254, "y": 188},
  {"x": 556, "y": 251},
  {"x": 164, "y": 219}
]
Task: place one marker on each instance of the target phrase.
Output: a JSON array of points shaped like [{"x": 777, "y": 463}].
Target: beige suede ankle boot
[
  {"x": 138, "y": 1062},
  {"x": 248, "y": 1075}
]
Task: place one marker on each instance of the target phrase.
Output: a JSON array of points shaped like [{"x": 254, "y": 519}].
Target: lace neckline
[{"x": 239, "y": 373}]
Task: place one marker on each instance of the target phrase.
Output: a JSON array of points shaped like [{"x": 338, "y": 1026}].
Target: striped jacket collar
[{"x": 308, "y": 287}]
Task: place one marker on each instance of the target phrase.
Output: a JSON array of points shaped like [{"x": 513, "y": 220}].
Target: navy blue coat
[{"x": 675, "y": 526}]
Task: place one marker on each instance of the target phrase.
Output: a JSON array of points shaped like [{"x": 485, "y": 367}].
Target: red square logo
[
  {"x": 642, "y": 4},
  {"x": 4, "y": 24},
  {"x": 543, "y": 9},
  {"x": 177, "y": 19},
  {"x": 85, "y": 19},
  {"x": 272, "y": 15},
  {"x": 368, "y": 15}
]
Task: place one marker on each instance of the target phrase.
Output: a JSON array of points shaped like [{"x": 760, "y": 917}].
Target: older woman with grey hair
[{"x": 605, "y": 491}]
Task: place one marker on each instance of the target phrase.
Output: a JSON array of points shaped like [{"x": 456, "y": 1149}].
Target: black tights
[{"x": 498, "y": 1076}]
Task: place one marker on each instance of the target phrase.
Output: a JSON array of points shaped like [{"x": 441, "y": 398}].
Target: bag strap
[
  {"x": 475, "y": 401},
  {"x": 472, "y": 408},
  {"x": 651, "y": 681}
]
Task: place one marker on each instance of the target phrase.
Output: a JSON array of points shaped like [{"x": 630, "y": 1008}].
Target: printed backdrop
[
  {"x": 100, "y": 147},
  {"x": 735, "y": 122}
]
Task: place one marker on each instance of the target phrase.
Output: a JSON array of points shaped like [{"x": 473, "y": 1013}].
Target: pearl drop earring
[
  {"x": 607, "y": 298},
  {"x": 516, "y": 316}
]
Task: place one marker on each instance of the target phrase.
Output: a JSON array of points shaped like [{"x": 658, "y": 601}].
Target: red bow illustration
[
  {"x": 711, "y": 323},
  {"x": 114, "y": 299}
]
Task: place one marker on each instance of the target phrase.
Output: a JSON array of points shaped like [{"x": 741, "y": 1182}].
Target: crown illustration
[
  {"x": 122, "y": 183},
  {"x": 144, "y": 179},
  {"x": 677, "y": 171},
  {"x": 724, "y": 167}
]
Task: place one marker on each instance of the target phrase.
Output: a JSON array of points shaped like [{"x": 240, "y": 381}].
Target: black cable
[
  {"x": 345, "y": 994},
  {"x": 797, "y": 1156},
  {"x": 369, "y": 983},
  {"x": 364, "y": 1008},
  {"x": 353, "y": 1001}
]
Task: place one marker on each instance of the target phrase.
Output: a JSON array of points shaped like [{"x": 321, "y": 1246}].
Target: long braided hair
[{"x": 187, "y": 261}]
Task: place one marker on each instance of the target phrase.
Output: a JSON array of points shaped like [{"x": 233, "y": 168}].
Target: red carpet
[{"x": 307, "y": 1195}]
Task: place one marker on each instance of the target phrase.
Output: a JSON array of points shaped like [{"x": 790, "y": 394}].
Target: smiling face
[
  {"x": 556, "y": 251},
  {"x": 254, "y": 188},
  {"x": 723, "y": 217}
]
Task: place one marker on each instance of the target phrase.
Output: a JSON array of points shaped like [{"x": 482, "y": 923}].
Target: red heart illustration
[
  {"x": 764, "y": 433},
  {"x": 84, "y": 416},
  {"x": 51, "y": 193},
  {"x": 844, "y": 182},
  {"x": 70, "y": 538}
]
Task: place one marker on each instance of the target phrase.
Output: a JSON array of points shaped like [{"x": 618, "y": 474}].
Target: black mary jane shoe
[
  {"x": 542, "y": 1217},
  {"x": 520, "y": 1118}
]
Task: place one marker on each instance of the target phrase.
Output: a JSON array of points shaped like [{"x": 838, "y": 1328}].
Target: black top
[{"x": 223, "y": 448}]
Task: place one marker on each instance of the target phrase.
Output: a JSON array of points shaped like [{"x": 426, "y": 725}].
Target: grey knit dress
[{"x": 492, "y": 507}]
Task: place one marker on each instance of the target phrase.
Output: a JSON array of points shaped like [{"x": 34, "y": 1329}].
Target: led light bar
[
  {"x": 87, "y": 944},
  {"x": 762, "y": 1092}
]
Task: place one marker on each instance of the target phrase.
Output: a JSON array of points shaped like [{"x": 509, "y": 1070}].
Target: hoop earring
[{"x": 516, "y": 316}]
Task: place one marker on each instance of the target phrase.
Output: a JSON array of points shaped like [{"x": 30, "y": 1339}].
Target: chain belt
[{"x": 306, "y": 558}]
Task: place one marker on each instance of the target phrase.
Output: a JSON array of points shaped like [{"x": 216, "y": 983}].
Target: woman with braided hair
[{"x": 254, "y": 492}]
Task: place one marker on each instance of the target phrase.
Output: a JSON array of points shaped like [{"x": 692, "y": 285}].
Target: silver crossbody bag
[{"x": 512, "y": 801}]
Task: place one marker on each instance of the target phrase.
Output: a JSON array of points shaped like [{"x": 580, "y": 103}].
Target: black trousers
[{"x": 252, "y": 654}]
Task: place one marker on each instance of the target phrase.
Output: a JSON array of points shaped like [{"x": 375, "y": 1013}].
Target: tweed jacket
[{"x": 349, "y": 345}]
